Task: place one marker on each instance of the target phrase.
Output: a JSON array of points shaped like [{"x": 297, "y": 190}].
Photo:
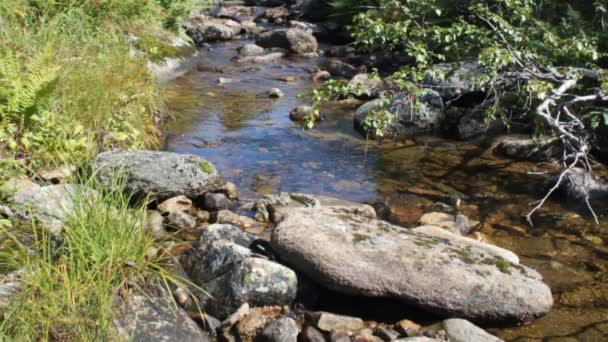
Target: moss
[
  {"x": 504, "y": 266},
  {"x": 157, "y": 50},
  {"x": 465, "y": 256},
  {"x": 206, "y": 166}
]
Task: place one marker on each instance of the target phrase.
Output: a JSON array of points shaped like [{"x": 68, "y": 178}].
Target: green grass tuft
[{"x": 71, "y": 284}]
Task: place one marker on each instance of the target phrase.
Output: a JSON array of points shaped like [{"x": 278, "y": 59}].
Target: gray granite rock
[
  {"x": 359, "y": 255},
  {"x": 160, "y": 175}
]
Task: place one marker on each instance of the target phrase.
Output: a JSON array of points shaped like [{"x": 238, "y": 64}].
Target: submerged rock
[
  {"x": 524, "y": 148},
  {"x": 294, "y": 40},
  {"x": 231, "y": 274},
  {"x": 160, "y": 175},
  {"x": 579, "y": 183},
  {"x": 142, "y": 319},
  {"x": 359, "y": 255}
]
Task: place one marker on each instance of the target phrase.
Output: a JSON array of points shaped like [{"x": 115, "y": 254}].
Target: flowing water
[{"x": 252, "y": 142}]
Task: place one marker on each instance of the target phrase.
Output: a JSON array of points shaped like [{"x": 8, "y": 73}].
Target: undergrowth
[
  {"x": 70, "y": 82},
  {"x": 70, "y": 284}
]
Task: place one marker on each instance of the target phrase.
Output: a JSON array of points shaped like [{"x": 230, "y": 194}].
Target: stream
[{"x": 253, "y": 143}]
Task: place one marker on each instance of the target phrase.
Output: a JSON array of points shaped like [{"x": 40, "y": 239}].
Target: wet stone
[{"x": 311, "y": 334}]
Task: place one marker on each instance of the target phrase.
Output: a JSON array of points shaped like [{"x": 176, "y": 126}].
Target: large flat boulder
[
  {"x": 160, "y": 175},
  {"x": 356, "y": 254}
]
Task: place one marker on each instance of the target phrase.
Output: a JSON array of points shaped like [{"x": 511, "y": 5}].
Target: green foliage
[
  {"x": 506, "y": 37},
  {"x": 69, "y": 84}
]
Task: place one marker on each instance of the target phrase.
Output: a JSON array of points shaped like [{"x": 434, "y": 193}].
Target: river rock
[
  {"x": 181, "y": 220},
  {"x": 154, "y": 224},
  {"x": 456, "y": 79},
  {"x": 203, "y": 29},
  {"x": 275, "y": 93},
  {"x": 143, "y": 318},
  {"x": 241, "y": 221},
  {"x": 367, "y": 86},
  {"x": 386, "y": 333},
  {"x": 52, "y": 205},
  {"x": 579, "y": 183},
  {"x": 252, "y": 324},
  {"x": 300, "y": 113},
  {"x": 465, "y": 123},
  {"x": 358, "y": 255},
  {"x": 332, "y": 322},
  {"x": 283, "y": 329},
  {"x": 262, "y": 59},
  {"x": 217, "y": 201},
  {"x": 178, "y": 203},
  {"x": 524, "y": 148},
  {"x": 294, "y": 40},
  {"x": 223, "y": 265},
  {"x": 276, "y": 15},
  {"x": 425, "y": 117},
  {"x": 160, "y": 175},
  {"x": 408, "y": 328},
  {"x": 311, "y": 334},
  {"x": 249, "y": 50},
  {"x": 321, "y": 76},
  {"x": 460, "y": 330},
  {"x": 457, "y": 224},
  {"x": 340, "y": 69}
]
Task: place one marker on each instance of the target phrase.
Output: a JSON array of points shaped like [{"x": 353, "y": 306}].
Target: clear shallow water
[{"x": 252, "y": 142}]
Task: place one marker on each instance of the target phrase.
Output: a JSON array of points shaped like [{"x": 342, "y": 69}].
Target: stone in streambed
[
  {"x": 460, "y": 330},
  {"x": 178, "y": 203},
  {"x": 284, "y": 329},
  {"x": 217, "y": 201},
  {"x": 294, "y": 40},
  {"x": 359, "y": 255},
  {"x": 231, "y": 274},
  {"x": 311, "y": 334},
  {"x": 159, "y": 175},
  {"x": 249, "y": 50}
]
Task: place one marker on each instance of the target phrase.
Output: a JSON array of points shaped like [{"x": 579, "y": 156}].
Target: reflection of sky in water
[{"x": 250, "y": 138}]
